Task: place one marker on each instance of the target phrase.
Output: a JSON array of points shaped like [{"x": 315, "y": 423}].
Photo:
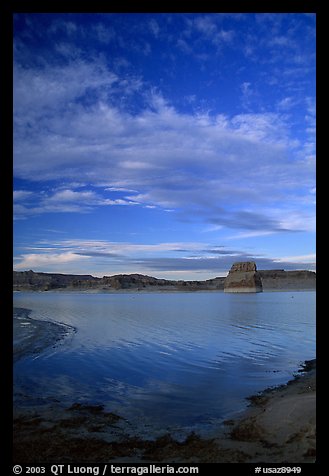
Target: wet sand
[
  {"x": 32, "y": 336},
  {"x": 278, "y": 426}
]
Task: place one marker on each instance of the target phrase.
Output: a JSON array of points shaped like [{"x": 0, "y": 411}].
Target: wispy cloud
[
  {"x": 311, "y": 258},
  {"x": 125, "y": 118},
  {"x": 22, "y": 195},
  {"x": 122, "y": 248},
  {"x": 168, "y": 157},
  {"x": 209, "y": 27},
  {"x": 42, "y": 261},
  {"x": 27, "y": 203},
  {"x": 161, "y": 259}
]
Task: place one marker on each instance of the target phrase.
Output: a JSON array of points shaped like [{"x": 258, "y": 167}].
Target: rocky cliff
[
  {"x": 243, "y": 278},
  {"x": 270, "y": 280},
  {"x": 46, "y": 281},
  {"x": 29, "y": 280},
  {"x": 276, "y": 279}
]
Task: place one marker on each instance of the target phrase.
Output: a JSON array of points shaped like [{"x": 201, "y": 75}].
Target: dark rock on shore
[{"x": 278, "y": 427}]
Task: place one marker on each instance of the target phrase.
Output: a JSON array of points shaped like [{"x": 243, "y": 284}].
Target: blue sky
[{"x": 165, "y": 144}]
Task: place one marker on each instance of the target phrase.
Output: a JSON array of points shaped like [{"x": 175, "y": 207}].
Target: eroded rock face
[
  {"x": 243, "y": 266},
  {"x": 243, "y": 278}
]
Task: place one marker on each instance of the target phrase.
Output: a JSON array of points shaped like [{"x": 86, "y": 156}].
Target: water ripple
[{"x": 167, "y": 359}]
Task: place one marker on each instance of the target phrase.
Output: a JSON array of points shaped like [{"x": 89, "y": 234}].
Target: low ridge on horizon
[{"x": 267, "y": 279}]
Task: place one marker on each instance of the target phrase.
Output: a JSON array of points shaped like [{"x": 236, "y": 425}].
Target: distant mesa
[{"x": 243, "y": 278}]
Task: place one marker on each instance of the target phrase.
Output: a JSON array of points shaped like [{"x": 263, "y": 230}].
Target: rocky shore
[
  {"x": 33, "y": 336},
  {"x": 278, "y": 427}
]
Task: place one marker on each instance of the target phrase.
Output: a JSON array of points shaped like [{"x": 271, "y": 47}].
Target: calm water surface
[{"x": 166, "y": 361}]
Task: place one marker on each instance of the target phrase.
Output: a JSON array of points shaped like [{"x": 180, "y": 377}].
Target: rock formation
[
  {"x": 243, "y": 278},
  {"x": 31, "y": 281},
  {"x": 279, "y": 279},
  {"x": 275, "y": 279}
]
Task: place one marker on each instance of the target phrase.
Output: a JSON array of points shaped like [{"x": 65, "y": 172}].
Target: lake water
[{"x": 166, "y": 361}]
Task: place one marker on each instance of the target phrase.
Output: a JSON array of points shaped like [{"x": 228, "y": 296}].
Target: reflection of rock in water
[
  {"x": 32, "y": 336},
  {"x": 243, "y": 278}
]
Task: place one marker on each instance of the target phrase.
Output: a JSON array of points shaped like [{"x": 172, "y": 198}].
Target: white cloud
[
  {"x": 287, "y": 103},
  {"x": 122, "y": 248},
  {"x": 310, "y": 258},
  {"x": 55, "y": 87},
  {"x": 250, "y": 234},
  {"x": 169, "y": 158},
  {"x": 209, "y": 27},
  {"x": 64, "y": 200},
  {"x": 19, "y": 195},
  {"x": 80, "y": 256},
  {"x": 48, "y": 260},
  {"x": 296, "y": 220},
  {"x": 100, "y": 257},
  {"x": 72, "y": 196},
  {"x": 154, "y": 27}
]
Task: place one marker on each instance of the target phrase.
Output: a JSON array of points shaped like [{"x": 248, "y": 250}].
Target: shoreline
[
  {"x": 33, "y": 336},
  {"x": 275, "y": 279},
  {"x": 278, "y": 427},
  {"x": 154, "y": 291}
]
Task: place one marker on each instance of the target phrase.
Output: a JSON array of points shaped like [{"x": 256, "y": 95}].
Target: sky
[{"x": 171, "y": 145}]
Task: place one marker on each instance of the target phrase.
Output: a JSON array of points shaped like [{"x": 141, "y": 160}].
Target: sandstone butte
[
  {"x": 271, "y": 279},
  {"x": 243, "y": 278}
]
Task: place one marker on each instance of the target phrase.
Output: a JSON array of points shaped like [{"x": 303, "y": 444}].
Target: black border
[{"x": 6, "y": 27}]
